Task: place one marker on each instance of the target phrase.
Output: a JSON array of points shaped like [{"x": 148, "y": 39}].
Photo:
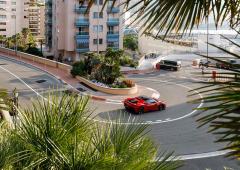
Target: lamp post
[{"x": 15, "y": 97}]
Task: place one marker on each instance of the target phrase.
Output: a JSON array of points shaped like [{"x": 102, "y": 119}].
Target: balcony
[
  {"x": 113, "y": 21},
  {"x": 82, "y": 35},
  {"x": 48, "y": 11},
  {"x": 112, "y": 34},
  {"x": 80, "y": 9},
  {"x": 82, "y": 22},
  {"x": 48, "y": 21},
  {"x": 82, "y": 50},
  {"x": 113, "y": 10}
]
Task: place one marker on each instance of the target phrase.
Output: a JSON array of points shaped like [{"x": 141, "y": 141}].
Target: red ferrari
[{"x": 143, "y": 104}]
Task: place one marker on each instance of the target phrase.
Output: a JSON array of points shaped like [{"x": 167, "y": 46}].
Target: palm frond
[
  {"x": 167, "y": 16},
  {"x": 223, "y": 104}
]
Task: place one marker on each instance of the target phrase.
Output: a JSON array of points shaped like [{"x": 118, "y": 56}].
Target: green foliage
[
  {"x": 130, "y": 42},
  {"x": 60, "y": 134},
  {"x": 127, "y": 61},
  {"x": 223, "y": 104},
  {"x": 109, "y": 69},
  {"x": 34, "y": 51},
  {"x": 78, "y": 69},
  {"x": 25, "y": 42}
]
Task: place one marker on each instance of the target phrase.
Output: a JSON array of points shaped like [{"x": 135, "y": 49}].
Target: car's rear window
[
  {"x": 150, "y": 101},
  {"x": 168, "y": 62}
]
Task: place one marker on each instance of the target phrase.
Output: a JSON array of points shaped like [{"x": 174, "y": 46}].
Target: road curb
[{"x": 153, "y": 70}]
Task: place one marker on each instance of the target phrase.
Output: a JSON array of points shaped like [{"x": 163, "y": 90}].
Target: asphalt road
[{"x": 174, "y": 129}]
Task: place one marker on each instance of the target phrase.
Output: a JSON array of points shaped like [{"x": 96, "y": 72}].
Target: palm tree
[
  {"x": 2, "y": 39},
  {"x": 25, "y": 33},
  {"x": 223, "y": 98},
  {"x": 60, "y": 133}
]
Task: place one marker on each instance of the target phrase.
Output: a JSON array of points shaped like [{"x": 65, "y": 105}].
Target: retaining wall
[{"x": 36, "y": 59}]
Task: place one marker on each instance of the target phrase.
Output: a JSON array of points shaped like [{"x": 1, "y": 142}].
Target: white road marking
[
  {"x": 114, "y": 103},
  {"x": 38, "y": 94},
  {"x": 150, "y": 89},
  {"x": 198, "y": 155},
  {"x": 156, "y": 95},
  {"x": 183, "y": 157}
]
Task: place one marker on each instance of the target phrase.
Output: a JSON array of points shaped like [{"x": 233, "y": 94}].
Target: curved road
[{"x": 175, "y": 129}]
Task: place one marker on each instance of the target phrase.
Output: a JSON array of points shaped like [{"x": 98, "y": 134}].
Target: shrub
[
  {"x": 129, "y": 83},
  {"x": 134, "y": 64},
  {"x": 130, "y": 42},
  {"x": 125, "y": 60},
  {"x": 34, "y": 51},
  {"x": 78, "y": 69}
]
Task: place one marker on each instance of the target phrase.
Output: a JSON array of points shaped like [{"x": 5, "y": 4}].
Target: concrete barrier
[
  {"x": 6, "y": 115},
  {"x": 116, "y": 91},
  {"x": 37, "y": 59}
]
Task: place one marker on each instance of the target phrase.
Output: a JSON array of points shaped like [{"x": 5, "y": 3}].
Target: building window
[
  {"x": 97, "y": 41},
  {"x": 2, "y": 29},
  {"x": 95, "y": 15},
  {"x": 98, "y": 28},
  {"x": 13, "y": 3},
  {"x": 3, "y": 2},
  {"x": 100, "y": 41},
  {"x": 3, "y": 16},
  {"x": 3, "y": 23},
  {"x": 13, "y": 9},
  {"x": 99, "y": 2},
  {"x": 13, "y": 16}
]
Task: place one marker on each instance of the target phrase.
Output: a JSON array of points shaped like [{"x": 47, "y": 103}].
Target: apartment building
[
  {"x": 72, "y": 30},
  {"x": 36, "y": 15},
  {"x": 13, "y": 16}
]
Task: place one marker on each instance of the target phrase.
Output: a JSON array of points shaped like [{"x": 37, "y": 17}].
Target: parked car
[
  {"x": 170, "y": 65},
  {"x": 143, "y": 104},
  {"x": 223, "y": 65},
  {"x": 229, "y": 63}
]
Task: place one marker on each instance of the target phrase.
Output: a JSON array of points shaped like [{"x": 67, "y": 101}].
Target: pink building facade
[
  {"x": 71, "y": 30},
  {"x": 13, "y": 16}
]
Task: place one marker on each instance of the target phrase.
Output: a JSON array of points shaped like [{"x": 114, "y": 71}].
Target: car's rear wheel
[
  {"x": 141, "y": 110},
  {"x": 160, "y": 107}
]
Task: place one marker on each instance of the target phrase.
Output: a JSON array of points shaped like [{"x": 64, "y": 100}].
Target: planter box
[{"x": 117, "y": 91}]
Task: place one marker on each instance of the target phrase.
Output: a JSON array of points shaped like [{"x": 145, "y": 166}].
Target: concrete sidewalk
[{"x": 74, "y": 83}]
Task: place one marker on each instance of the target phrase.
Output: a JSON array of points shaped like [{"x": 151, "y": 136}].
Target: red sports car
[{"x": 143, "y": 104}]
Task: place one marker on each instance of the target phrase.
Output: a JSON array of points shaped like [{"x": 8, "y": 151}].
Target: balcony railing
[
  {"x": 81, "y": 9},
  {"x": 82, "y": 22},
  {"x": 82, "y": 35},
  {"x": 82, "y": 50},
  {"x": 113, "y": 10},
  {"x": 113, "y": 21},
  {"x": 112, "y": 34},
  {"x": 48, "y": 21}
]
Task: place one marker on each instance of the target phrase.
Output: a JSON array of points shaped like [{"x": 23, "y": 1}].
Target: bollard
[{"x": 214, "y": 75}]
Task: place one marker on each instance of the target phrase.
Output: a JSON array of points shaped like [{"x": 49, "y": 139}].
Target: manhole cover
[
  {"x": 81, "y": 89},
  {"x": 41, "y": 81}
]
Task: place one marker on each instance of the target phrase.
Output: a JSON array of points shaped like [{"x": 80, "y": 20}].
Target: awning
[
  {"x": 112, "y": 40},
  {"x": 82, "y": 41}
]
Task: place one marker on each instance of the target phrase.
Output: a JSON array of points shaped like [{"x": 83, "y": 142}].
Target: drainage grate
[
  {"x": 41, "y": 81},
  {"x": 81, "y": 89}
]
